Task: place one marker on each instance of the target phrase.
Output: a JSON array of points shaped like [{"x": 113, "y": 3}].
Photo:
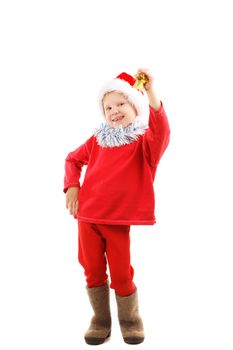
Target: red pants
[{"x": 98, "y": 242}]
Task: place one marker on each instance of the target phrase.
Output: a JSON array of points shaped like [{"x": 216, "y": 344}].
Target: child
[{"x": 121, "y": 157}]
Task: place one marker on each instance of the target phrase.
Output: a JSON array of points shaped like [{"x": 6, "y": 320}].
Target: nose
[{"x": 114, "y": 110}]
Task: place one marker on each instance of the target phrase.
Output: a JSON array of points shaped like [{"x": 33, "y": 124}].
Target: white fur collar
[{"x": 114, "y": 137}]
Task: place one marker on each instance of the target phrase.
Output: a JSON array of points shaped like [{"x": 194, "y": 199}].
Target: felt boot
[
  {"x": 100, "y": 326},
  {"x": 130, "y": 321}
]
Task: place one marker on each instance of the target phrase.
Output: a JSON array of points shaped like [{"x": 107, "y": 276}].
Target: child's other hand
[
  {"x": 146, "y": 71},
  {"x": 72, "y": 200}
]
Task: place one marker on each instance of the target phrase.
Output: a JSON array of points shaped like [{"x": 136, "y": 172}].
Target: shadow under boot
[
  {"x": 100, "y": 326},
  {"x": 129, "y": 319}
]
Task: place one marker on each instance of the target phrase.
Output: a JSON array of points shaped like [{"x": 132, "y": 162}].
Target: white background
[{"x": 55, "y": 55}]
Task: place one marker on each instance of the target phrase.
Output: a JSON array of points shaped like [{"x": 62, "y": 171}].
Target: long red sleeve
[
  {"x": 156, "y": 138},
  {"x": 73, "y": 165}
]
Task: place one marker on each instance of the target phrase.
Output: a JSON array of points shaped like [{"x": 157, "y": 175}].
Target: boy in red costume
[{"x": 121, "y": 157}]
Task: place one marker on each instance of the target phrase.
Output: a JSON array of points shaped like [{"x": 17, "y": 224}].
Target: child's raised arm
[{"x": 156, "y": 138}]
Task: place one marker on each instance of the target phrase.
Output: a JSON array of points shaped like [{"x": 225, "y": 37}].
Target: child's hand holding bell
[{"x": 154, "y": 99}]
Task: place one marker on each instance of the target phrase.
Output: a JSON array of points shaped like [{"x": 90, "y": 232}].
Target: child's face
[{"x": 118, "y": 110}]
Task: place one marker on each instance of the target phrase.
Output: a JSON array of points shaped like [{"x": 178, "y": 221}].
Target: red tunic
[{"x": 118, "y": 184}]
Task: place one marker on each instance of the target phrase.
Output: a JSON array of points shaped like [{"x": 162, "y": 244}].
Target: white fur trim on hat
[{"x": 137, "y": 98}]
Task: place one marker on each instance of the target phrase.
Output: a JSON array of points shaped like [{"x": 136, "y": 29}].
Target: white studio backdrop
[{"x": 55, "y": 55}]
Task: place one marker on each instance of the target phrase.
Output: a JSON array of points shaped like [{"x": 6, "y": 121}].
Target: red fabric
[
  {"x": 118, "y": 184},
  {"x": 128, "y": 78},
  {"x": 96, "y": 242}
]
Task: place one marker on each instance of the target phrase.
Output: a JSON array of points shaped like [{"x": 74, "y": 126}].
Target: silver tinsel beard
[{"x": 108, "y": 136}]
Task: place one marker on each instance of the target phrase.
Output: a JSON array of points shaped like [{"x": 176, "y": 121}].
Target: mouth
[{"x": 116, "y": 119}]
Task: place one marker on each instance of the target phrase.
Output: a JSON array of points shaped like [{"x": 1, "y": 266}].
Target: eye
[
  {"x": 108, "y": 108},
  {"x": 122, "y": 103}
]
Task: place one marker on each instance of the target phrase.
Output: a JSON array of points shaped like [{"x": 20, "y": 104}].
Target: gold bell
[{"x": 141, "y": 80}]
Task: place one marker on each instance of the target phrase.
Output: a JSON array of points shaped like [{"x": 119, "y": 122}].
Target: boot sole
[
  {"x": 96, "y": 341},
  {"x": 133, "y": 340}
]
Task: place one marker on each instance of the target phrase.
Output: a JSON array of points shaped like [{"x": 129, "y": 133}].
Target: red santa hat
[{"x": 127, "y": 85}]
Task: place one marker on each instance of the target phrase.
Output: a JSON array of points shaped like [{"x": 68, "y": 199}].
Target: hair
[{"x": 119, "y": 92}]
